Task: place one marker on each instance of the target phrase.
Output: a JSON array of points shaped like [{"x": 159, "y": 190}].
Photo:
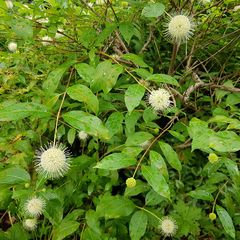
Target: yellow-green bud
[
  {"x": 212, "y": 216},
  {"x": 27, "y": 185},
  {"x": 131, "y": 182},
  {"x": 212, "y": 157}
]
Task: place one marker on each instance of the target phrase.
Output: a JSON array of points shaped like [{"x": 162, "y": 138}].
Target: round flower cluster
[
  {"x": 212, "y": 216},
  {"x": 30, "y": 224},
  {"x": 82, "y": 135},
  {"x": 53, "y": 162},
  {"x": 12, "y": 47},
  {"x": 131, "y": 182},
  {"x": 168, "y": 226},
  {"x": 34, "y": 206},
  {"x": 179, "y": 28},
  {"x": 159, "y": 99},
  {"x": 213, "y": 158}
]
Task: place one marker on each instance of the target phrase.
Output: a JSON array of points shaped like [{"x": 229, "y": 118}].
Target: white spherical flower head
[
  {"x": 82, "y": 135},
  {"x": 179, "y": 29},
  {"x": 9, "y": 4},
  {"x": 46, "y": 40},
  {"x": 159, "y": 99},
  {"x": 168, "y": 226},
  {"x": 53, "y": 162},
  {"x": 34, "y": 206},
  {"x": 12, "y": 47},
  {"x": 30, "y": 224}
]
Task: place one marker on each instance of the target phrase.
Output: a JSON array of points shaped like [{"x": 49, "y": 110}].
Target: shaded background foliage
[{"x": 110, "y": 54}]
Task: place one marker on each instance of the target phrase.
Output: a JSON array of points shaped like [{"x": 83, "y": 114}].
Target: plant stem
[
  {"x": 144, "y": 209},
  {"x": 173, "y": 58},
  {"x": 60, "y": 107}
]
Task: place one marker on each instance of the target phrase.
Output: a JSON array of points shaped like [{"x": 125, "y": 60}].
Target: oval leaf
[
  {"x": 116, "y": 161},
  {"x": 156, "y": 180},
  {"x": 19, "y": 111},
  {"x": 14, "y": 175},
  {"x": 133, "y": 96},
  {"x": 54, "y": 77},
  {"x": 82, "y": 93},
  {"x": 138, "y": 225},
  {"x": 201, "y": 194},
  {"x": 171, "y": 156},
  {"x": 114, "y": 206},
  {"x": 226, "y": 221},
  {"x": 163, "y": 78},
  {"x": 153, "y": 10},
  {"x": 87, "y": 123}
]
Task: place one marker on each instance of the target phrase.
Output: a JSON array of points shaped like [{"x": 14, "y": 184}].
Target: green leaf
[
  {"x": 158, "y": 162},
  {"x": 131, "y": 121},
  {"x": 54, "y": 211},
  {"x": 64, "y": 229},
  {"x": 226, "y": 221},
  {"x": 135, "y": 59},
  {"x": 89, "y": 234},
  {"x": 105, "y": 76},
  {"x": 54, "y": 77},
  {"x": 127, "y": 30},
  {"x": 153, "y": 10},
  {"x": 85, "y": 71},
  {"x": 201, "y": 194},
  {"x": 82, "y": 93},
  {"x": 114, "y": 123},
  {"x": 233, "y": 99},
  {"x": 156, "y": 180},
  {"x": 138, "y": 225},
  {"x": 71, "y": 135},
  {"x": 14, "y": 175},
  {"x": 23, "y": 28},
  {"x": 133, "y": 96},
  {"x": 16, "y": 232},
  {"x": 19, "y": 111},
  {"x": 232, "y": 167},
  {"x": 116, "y": 161},
  {"x": 138, "y": 138},
  {"x": 171, "y": 156},
  {"x": 88, "y": 123},
  {"x": 163, "y": 78},
  {"x": 114, "y": 206},
  {"x": 93, "y": 221},
  {"x": 205, "y": 138}
]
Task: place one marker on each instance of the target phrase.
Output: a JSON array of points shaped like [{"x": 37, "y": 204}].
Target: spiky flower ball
[
  {"x": 179, "y": 28},
  {"x": 30, "y": 224},
  {"x": 9, "y": 4},
  {"x": 213, "y": 158},
  {"x": 131, "y": 182},
  {"x": 34, "y": 206},
  {"x": 212, "y": 216},
  {"x": 53, "y": 161},
  {"x": 159, "y": 99},
  {"x": 82, "y": 135},
  {"x": 168, "y": 226},
  {"x": 12, "y": 47},
  {"x": 46, "y": 40}
]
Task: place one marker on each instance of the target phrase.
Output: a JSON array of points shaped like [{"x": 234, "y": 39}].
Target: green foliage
[{"x": 75, "y": 84}]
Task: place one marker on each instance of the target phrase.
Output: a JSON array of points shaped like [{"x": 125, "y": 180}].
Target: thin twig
[{"x": 60, "y": 107}]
